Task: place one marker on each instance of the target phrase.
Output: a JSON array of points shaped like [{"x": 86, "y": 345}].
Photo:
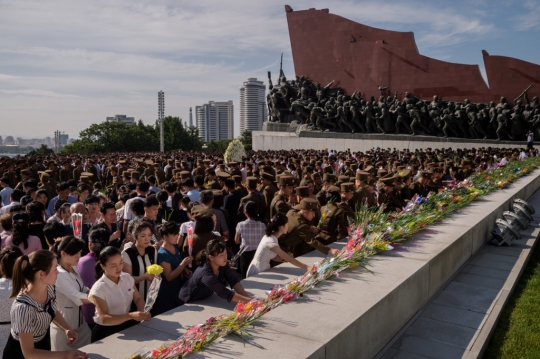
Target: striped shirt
[
  {"x": 251, "y": 233},
  {"x": 29, "y": 316}
]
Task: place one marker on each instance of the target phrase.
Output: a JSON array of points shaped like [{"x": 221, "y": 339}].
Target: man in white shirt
[
  {"x": 15, "y": 198},
  {"x": 142, "y": 190},
  {"x": 188, "y": 187},
  {"x": 5, "y": 193}
]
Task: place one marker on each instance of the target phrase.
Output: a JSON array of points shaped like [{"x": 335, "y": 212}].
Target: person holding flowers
[
  {"x": 269, "y": 248},
  {"x": 140, "y": 256},
  {"x": 213, "y": 271},
  {"x": 112, "y": 295},
  {"x": 174, "y": 267}
]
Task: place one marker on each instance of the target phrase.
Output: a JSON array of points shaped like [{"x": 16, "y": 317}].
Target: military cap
[
  {"x": 302, "y": 191},
  {"x": 426, "y": 175},
  {"x": 405, "y": 174},
  {"x": 334, "y": 189},
  {"x": 122, "y": 162},
  {"x": 139, "y": 160},
  {"x": 237, "y": 178},
  {"x": 400, "y": 168},
  {"x": 252, "y": 181},
  {"x": 382, "y": 173},
  {"x": 370, "y": 169},
  {"x": 286, "y": 181},
  {"x": 87, "y": 174},
  {"x": 135, "y": 174},
  {"x": 44, "y": 175},
  {"x": 310, "y": 204},
  {"x": 206, "y": 161},
  {"x": 223, "y": 175},
  {"x": 149, "y": 162},
  {"x": 362, "y": 176},
  {"x": 201, "y": 212},
  {"x": 343, "y": 179},
  {"x": 328, "y": 177},
  {"x": 210, "y": 171},
  {"x": 354, "y": 166},
  {"x": 233, "y": 163},
  {"x": 268, "y": 176},
  {"x": 217, "y": 193},
  {"x": 126, "y": 174},
  {"x": 185, "y": 174},
  {"x": 347, "y": 187},
  {"x": 85, "y": 179}
]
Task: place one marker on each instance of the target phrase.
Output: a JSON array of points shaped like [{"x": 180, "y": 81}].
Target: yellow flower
[{"x": 154, "y": 269}]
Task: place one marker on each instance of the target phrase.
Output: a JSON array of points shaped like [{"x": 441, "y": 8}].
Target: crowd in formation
[
  {"x": 330, "y": 109},
  {"x": 206, "y": 222}
]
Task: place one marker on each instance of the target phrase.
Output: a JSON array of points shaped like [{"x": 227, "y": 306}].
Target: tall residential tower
[
  {"x": 252, "y": 105},
  {"x": 215, "y": 121}
]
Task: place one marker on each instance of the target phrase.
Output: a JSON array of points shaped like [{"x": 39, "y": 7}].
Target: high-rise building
[
  {"x": 190, "y": 117},
  {"x": 48, "y": 141},
  {"x": 252, "y": 105},
  {"x": 1, "y": 143},
  {"x": 122, "y": 119},
  {"x": 215, "y": 120}
]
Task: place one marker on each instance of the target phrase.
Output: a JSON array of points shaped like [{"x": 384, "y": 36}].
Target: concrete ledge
[
  {"x": 277, "y": 140},
  {"x": 352, "y": 316}
]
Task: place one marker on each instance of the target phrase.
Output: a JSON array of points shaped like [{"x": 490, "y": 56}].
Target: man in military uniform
[
  {"x": 419, "y": 187},
  {"x": 122, "y": 168},
  {"x": 46, "y": 184},
  {"x": 268, "y": 190},
  {"x": 234, "y": 170},
  {"x": 406, "y": 192},
  {"x": 159, "y": 173},
  {"x": 211, "y": 180},
  {"x": 361, "y": 194},
  {"x": 328, "y": 180},
  {"x": 251, "y": 184},
  {"x": 299, "y": 240},
  {"x": 77, "y": 171},
  {"x": 11, "y": 175},
  {"x": 280, "y": 201},
  {"x": 25, "y": 175},
  {"x": 66, "y": 173},
  {"x": 149, "y": 170},
  {"x": 334, "y": 223}
]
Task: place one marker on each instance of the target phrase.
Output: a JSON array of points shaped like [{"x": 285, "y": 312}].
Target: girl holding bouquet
[{"x": 269, "y": 247}]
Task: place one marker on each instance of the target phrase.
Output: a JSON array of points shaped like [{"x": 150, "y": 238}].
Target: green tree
[
  {"x": 43, "y": 150},
  {"x": 247, "y": 140},
  {"x": 176, "y": 136},
  {"x": 220, "y": 145}
]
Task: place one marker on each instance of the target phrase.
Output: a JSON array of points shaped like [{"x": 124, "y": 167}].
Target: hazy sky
[{"x": 67, "y": 64}]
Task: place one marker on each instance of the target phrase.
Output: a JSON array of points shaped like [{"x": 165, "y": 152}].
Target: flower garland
[
  {"x": 235, "y": 151},
  {"x": 371, "y": 232}
]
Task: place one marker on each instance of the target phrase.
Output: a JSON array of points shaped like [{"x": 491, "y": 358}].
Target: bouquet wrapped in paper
[
  {"x": 153, "y": 291},
  {"x": 190, "y": 240}
]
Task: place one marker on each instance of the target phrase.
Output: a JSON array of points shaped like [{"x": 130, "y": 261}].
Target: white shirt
[
  {"x": 7, "y": 208},
  {"x": 5, "y": 194},
  {"x": 263, "y": 255},
  {"x": 118, "y": 296},
  {"x": 128, "y": 213}
]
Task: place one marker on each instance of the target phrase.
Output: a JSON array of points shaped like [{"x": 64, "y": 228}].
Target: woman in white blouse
[
  {"x": 112, "y": 294},
  {"x": 71, "y": 294},
  {"x": 7, "y": 261},
  {"x": 269, "y": 248}
]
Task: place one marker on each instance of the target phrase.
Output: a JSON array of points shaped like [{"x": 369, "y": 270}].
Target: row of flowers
[{"x": 370, "y": 232}]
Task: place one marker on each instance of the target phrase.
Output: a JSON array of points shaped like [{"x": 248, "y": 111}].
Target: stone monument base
[{"x": 284, "y": 136}]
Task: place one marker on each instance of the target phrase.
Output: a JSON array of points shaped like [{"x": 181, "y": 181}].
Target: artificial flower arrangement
[{"x": 371, "y": 231}]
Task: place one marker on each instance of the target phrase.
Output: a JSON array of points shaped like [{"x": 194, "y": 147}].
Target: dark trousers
[
  {"x": 103, "y": 331},
  {"x": 244, "y": 261},
  {"x": 530, "y": 145}
]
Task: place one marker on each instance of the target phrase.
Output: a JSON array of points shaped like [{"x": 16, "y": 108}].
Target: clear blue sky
[{"x": 67, "y": 64}]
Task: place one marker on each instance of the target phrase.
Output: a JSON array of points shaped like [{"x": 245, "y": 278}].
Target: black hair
[
  {"x": 162, "y": 197},
  {"x": 143, "y": 186},
  {"x": 105, "y": 206},
  {"x": 26, "y": 267},
  {"x": 170, "y": 187},
  {"x": 104, "y": 257},
  {"x": 175, "y": 200},
  {"x": 188, "y": 182},
  {"x": 62, "y": 186},
  {"x": 151, "y": 179},
  {"x": 68, "y": 244},
  {"x": 98, "y": 238},
  {"x": 137, "y": 206},
  {"x": 169, "y": 228},
  {"x": 35, "y": 211},
  {"x": 20, "y": 228},
  {"x": 91, "y": 199},
  {"x": 42, "y": 191},
  {"x": 25, "y": 200},
  {"x": 229, "y": 183},
  {"x": 16, "y": 195},
  {"x": 213, "y": 248},
  {"x": 333, "y": 197},
  {"x": 199, "y": 180},
  {"x": 59, "y": 203},
  {"x": 151, "y": 201},
  {"x": 30, "y": 183},
  {"x": 204, "y": 225},
  {"x": 124, "y": 197},
  {"x": 250, "y": 208},
  {"x": 8, "y": 256},
  {"x": 277, "y": 221},
  {"x": 4, "y": 180},
  {"x": 53, "y": 230}
]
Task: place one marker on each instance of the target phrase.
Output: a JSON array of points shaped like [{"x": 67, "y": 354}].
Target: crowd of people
[{"x": 64, "y": 285}]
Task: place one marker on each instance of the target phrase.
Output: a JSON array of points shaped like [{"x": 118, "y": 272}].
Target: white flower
[{"x": 235, "y": 151}]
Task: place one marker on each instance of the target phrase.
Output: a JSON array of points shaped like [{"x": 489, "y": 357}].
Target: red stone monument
[{"x": 362, "y": 58}]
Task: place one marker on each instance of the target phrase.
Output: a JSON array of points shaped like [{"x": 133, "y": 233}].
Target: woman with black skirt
[{"x": 34, "y": 309}]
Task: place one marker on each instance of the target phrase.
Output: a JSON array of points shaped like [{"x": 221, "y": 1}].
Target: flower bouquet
[
  {"x": 235, "y": 151},
  {"x": 153, "y": 291}
]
